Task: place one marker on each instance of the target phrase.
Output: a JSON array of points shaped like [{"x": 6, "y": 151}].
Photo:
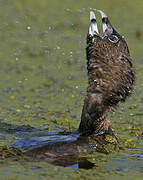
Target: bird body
[
  {"x": 110, "y": 77},
  {"x": 110, "y": 80}
]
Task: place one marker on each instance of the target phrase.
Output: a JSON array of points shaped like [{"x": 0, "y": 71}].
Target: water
[{"x": 44, "y": 78}]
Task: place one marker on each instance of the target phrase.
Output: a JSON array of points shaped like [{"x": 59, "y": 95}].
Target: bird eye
[{"x": 113, "y": 38}]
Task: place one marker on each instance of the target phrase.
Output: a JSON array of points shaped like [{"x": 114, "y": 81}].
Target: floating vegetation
[
  {"x": 43, "y": 82},
  {"x": 9, "y": 152}
]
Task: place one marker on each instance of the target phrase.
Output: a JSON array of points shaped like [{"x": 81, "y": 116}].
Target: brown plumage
[
  {"x": 110, "y": 77},
  {"x": 110, "y": 81}
]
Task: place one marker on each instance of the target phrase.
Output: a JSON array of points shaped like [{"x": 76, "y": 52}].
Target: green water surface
[{"x": 44, "y": 79}]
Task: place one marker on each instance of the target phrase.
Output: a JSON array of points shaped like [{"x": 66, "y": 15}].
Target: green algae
[{"x": 43, "y": 82}]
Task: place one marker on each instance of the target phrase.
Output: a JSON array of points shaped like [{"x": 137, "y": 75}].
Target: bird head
[{"x": 110, "y": 44}]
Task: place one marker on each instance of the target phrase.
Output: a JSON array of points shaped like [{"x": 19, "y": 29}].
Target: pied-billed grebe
[
  {"x": 110, "y": 81},
  {"x": 110, "y": 76}
]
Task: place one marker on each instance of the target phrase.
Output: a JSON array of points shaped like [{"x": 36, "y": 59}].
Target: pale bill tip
[
  {"x": 102, "y": 14},
  {"x": 93, "y": 29},
  {"x": 92, "y": 15}
]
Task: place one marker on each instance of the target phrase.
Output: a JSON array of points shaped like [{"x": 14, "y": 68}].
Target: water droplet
[
  {"x": 58, "y": 47},
  {"x": 28, "y": 27}
]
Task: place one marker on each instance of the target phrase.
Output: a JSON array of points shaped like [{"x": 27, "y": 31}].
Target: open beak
[{"x": 106, "y": 25}]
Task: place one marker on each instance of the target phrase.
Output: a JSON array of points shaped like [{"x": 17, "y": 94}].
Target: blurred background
[{"x": 44, "y": 79}]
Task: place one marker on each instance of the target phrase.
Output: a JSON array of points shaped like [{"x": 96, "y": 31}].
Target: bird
[{"x": 111, "y": 77}]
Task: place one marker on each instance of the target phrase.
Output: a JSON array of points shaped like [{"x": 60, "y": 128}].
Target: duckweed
[{"x": 43, "y": 86}]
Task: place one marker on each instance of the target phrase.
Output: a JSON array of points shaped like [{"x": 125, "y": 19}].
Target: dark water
[{"x": 43, "y": 82}]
